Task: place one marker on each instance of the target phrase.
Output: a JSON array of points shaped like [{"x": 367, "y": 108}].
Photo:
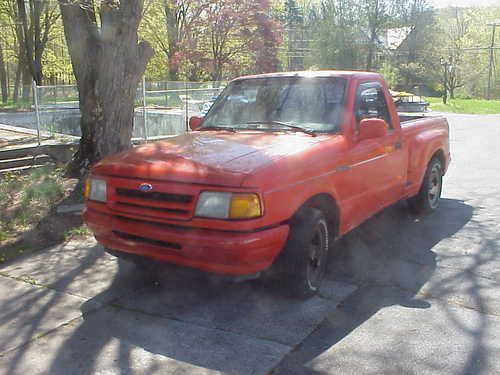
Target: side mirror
[
  {"x": 372, "y": 128},
  {"x": 195, "y": 122}
]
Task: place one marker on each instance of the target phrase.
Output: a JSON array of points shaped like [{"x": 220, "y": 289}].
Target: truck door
[{"x": 376, "y": 166}]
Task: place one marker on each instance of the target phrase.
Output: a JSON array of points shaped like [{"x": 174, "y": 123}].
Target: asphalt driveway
[{"x": 403, "y": 295}]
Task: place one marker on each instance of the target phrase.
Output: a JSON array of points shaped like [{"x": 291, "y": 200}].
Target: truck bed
[
  {"x": 414, "y": 124},
  {"x": 405, "y": 117}
]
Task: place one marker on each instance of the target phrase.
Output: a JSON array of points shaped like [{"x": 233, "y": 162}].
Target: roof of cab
[{"x": 313, "y": 74}]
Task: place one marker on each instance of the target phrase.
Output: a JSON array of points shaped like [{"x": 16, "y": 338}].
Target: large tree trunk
[
  {"x": 26, "y": 35},
  {"x": 218, "y": 65},
  {"x": 373, "y": 25},
  {"x": 171, "y": 19},
  {"x": 108, "y": 66},
  {"x": 371, "y": 49},
  {"x": 3, "y": 78},
  {"x": 27, "y": 80},
  {"x": 173, "y": 69},
  {"x": 38, "y": 47},
  {"x": 20, "y": 54},
  {"x": 17, "y": 82},
  {"x": 369, "y": 58}
]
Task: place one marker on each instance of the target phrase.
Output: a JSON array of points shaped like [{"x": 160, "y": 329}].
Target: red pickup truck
[{"x": 281, "y": 166}]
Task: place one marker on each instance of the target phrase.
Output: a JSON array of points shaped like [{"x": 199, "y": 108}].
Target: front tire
[
  {"x": 301, "y": 265},
  {"x": 427, "y": 199},
  {"x": 145, "y": 265}
]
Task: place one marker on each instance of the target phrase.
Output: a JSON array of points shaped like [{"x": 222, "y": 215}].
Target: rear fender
[{"x": 424, "y": 146}]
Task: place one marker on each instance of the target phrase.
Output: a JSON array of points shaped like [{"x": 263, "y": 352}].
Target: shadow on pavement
[
  {"x": 390, "y": 257},
  {"x": 185, "y": 320}
]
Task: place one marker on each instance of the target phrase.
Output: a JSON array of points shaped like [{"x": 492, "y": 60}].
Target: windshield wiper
[
  {"x": 286, "y": 125},
  {"x": 230, "y": 129}
]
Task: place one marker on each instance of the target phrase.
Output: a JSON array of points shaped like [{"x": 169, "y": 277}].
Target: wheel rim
[
  {"x": 435, "y": 180},
  {"x": 316, "y": 262}
]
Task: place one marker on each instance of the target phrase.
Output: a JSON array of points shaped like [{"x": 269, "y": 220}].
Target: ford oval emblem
[{"x": 145, "y": 187}]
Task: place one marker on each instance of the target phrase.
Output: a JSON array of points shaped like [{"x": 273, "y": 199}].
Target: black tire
[
  {"x": 427, "y": 199},
  {"x": 300, "y": 267}
]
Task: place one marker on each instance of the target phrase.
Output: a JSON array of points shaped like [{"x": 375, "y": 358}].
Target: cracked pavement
[{"x": 403, "y": 295}]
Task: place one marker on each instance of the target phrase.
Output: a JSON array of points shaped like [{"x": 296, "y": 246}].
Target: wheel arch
[
  {"x": 439, "y": 154},
  {"x": 424, "y": 146},
  {"x": 328, "y": 205}
]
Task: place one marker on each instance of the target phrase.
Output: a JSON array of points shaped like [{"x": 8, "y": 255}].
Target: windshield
[{"x": 314, "y": 104}]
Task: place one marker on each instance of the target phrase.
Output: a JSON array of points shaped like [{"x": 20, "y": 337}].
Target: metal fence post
[
  {"x": 166, "y": 94},
  {"x": 187, "y": 104},
  {"x": 37, "y": 113},
  {"x": 144, "y": 108},
  {"x": 54, "y": 94}
]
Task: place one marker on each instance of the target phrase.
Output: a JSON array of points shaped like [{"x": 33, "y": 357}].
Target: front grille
[
  {"x": 127, "y": 236},
  {"x": 155, "y": 196},
  {"x": 159, "y": 209},
  {"x": 167, "y": 200}
]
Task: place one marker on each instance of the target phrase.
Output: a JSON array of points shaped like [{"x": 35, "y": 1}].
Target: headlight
[
  {"x": 95, "y": 190},
  {"x": 222, "y": 205}
]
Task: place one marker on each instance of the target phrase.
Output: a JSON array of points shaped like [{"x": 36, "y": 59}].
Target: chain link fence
[
  {"x": 161, "y": 109},
  {"x": 164, "y": 108}
]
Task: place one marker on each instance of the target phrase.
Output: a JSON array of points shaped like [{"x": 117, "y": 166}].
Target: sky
[{"x": 463, "y": 3}]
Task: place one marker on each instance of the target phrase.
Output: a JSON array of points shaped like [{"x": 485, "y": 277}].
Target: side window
[{"x": 370, "y": 103}]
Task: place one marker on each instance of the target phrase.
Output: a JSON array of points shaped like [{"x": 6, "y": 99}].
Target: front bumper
[{"x": 225, "y": 252}]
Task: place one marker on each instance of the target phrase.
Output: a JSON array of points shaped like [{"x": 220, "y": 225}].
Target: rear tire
[
  {"x": 427, "y": 199},
  {"x": 301, "y": 265}
]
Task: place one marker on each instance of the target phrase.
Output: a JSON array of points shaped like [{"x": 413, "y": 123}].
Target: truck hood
[{"x": 206, "y": 157}]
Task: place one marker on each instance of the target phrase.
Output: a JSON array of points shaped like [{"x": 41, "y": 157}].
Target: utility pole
[
  {"x": 492, "y": 57},
  {"x": 491, "y": 50}
]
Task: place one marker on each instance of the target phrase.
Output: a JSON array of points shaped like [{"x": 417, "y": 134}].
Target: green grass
[
  {"x": 28, "y": 218},
  {"x": 26, "y": 198},
  {"x": 469, "y": 106},
  {"x": 81, "y": 231},
  {"x": 11, "y": 106},
  {"x": 169, "y": 100},
  {"x": 23, "y": 105}
]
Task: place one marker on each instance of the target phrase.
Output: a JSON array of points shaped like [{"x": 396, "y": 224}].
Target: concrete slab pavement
[
  {"x": 239, "y": 308},
  {"x": 182, "y": 322},
  {"x": 428, "y": 337},
  {"x": 117, "y": 341},
  {"x": 79, "y": 268},
  {"x": 28, "y": 311}
]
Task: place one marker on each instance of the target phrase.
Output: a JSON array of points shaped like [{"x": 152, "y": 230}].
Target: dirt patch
[{"x": 28, "y": 211}]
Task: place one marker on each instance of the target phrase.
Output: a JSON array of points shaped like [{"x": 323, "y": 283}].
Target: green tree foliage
[
  {"x": 339, "y": 34},
  {"x": 220, "y": 39},
  {"x": 390, "y": 73},
  {"x": 404, "y": 39},
  {"x": 35, "y": 19},
  {"x": 465, "y": 34}
]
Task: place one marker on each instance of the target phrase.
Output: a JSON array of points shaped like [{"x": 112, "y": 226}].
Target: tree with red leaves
[
  {"x": 182, "y": 18},
  {"x": 267, "y": 43},
  {"x": 237, "y": 28}
]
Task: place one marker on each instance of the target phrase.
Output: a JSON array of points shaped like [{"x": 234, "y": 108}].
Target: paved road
[{"x": 403, "y": 296}]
